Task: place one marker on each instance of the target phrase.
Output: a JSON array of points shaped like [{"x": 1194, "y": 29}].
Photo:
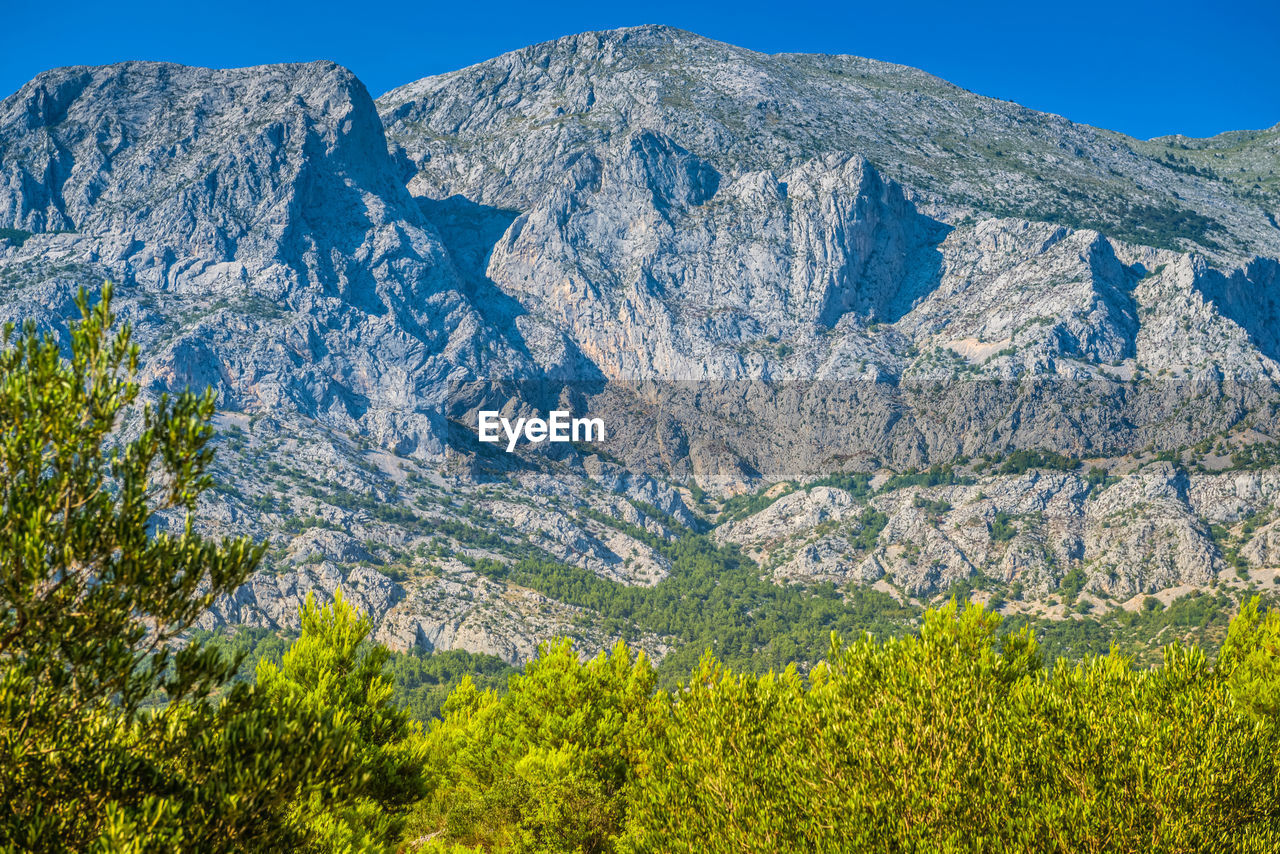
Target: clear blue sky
[{"x": 1147, "y": 69}]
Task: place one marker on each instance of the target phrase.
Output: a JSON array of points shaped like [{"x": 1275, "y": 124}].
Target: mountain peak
[{"x": 527, "y": 114}]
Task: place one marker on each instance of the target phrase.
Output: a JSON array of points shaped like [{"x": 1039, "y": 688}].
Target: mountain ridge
[
  {"x": 863, "y": 325},
  {"x": 813, "y": 70}
]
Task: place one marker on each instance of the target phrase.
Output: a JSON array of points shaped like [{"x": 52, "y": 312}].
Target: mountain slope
[
  {"x": 256, "y": 225},
  {"x": 685, "y": 211}
]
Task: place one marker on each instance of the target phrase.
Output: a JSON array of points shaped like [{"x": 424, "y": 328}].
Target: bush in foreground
[
  {"x": 951, "y": 740},
  {"x": 91, "y": 598}
]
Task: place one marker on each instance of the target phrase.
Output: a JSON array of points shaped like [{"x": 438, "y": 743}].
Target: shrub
[
  {"x": 954, "y": 741},
  {"x": 545, "y": 766}
]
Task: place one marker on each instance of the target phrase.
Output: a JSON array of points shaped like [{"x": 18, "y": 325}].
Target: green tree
[
  {"x": 333, "y": 668},
  {"x": 959, "y": 741},
  {"x": 94, "y": 587},
  {"x": 1250, "y": 657},
  {"x": 544, "y": 767}
]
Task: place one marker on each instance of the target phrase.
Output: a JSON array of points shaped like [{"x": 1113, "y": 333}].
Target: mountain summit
[{"x": 501, "y": 131}]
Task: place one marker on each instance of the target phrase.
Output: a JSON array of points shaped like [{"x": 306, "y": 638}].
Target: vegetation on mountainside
[
  {"x": 713, "y": 599},
  {"x": 16, "y": 236},
  {"x": 1163, "y": 226}
]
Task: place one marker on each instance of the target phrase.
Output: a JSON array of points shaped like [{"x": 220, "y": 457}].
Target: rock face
[
  {"x": 225, "y": 164},
  {"x": 683, "y": 211},
  {"x": 761, "y": 268},
  {"x": 255, "y": 225},
  {"x": 275, "y": 601},
  {"x": 659, "y": 267},
  {"x": 1139, "y": 536}
]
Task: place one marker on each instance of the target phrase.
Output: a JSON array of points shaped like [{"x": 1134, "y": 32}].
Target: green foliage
[
  {"x": 1163, "y": 226},
  {"x": 331, "y": 670},
  {"x": 858, "y": 483},
  {"x": 870, "y": 523},
  {"x": 1251, "y": 657},
  {"x": 1020, "y": 461},
  {"x": 935, "y": 475},
  {"x": 1002, "y": 527},
  {"x": 958, "y": 740},
  {"x": 1072, "y": 583},
  {"x": 715, "y": 598},
  {"x": 422, "y": 680},
  {"x": 933, "y": 508},
  {"x": 1260, "y": 455},
  {"x": 1181, "y": 164},
  {"x": 658, "y": 514},
  {"x": 247, "y": 645},
  {"x": 16, "y": 236},
  {"x": 1229, "y": 546},
  {"x": 543, "y": 767},
  {"x": 1196, "y": 618},
  {"x": 742, "y": 506},
  {"x": 92, "y": 591},
  {"x": 1100, "y": 478},
  {"x": 634, "y": 531}
]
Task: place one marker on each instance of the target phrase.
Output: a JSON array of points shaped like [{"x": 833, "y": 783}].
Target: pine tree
[
  {"x": 334, "y": 669},
  {"x": 95, "y": 587}
]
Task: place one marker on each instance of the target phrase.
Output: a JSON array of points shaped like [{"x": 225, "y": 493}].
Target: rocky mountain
[
  {"x": 863, "y": 326},
  {"x": 254, "y": 222}
]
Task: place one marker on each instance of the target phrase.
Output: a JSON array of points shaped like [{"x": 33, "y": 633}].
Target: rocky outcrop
[
  {"x": 258, "y": 232},
  {"x": 1140, "y": 535},
  {"x": 1145, "y": 536},
  {"x": 275, "y": 601},
  {"x": 659, "y": 268}
]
